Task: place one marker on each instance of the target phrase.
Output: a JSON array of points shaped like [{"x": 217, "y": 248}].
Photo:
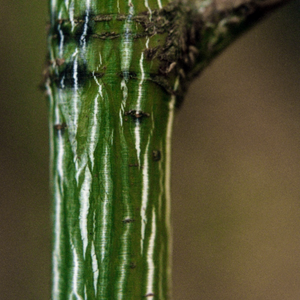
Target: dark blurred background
[{"x": 235, "y": 172}]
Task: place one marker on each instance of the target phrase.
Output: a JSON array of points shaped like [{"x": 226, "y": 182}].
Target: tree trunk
[{"x": 116, "y": 71}]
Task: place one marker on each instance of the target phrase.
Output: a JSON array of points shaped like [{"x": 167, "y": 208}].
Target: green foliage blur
[{"x": 235, "y": 171}]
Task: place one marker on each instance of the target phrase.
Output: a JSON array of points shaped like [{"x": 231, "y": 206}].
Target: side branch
[{"x": 213, "y": 25}]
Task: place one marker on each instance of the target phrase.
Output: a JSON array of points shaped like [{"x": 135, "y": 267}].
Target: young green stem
[
  {"x": 116, "y": 69},
  {"x": 110, "y": 156}
]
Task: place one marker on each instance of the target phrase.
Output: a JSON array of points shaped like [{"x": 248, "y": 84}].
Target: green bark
[
  {"x": 111, "y": 144},
  {"x": 116, "y": 71}
]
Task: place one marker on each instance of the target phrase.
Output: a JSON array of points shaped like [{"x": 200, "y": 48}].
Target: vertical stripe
[
  {"x": 149, "y": 9},
  {"x": 124, "y": 90},
  {"x": 118, "y": 5},
  {"x": 137, "y": 130},
  {"x": 84, "y": 200},
  {"x": 71, "y": 8},
  {"x": 105, "y": 221},
  {"x": 105, "y": 202},
  {"x": 168, "y": 176},
  {"x": 161, "y": 263},
  {"x": 151, "y": 257},
  {"x": 85, "y": 27},
  {"x": 168, "y": 159},
  {"x": 62, "y": 38},
  {"x": 53, "y": 8},
  {"x": 95, "y": 266},
  {"x": 127, "y": 43},
  {"x": 76, "y": 277},
  {"x": 159, "y": 4},
  {"x": 94, "y": 134},
  {"x": 145, "y": 194},
  {"x": 59, "y": 191},
  {"x": 76, "y": 100}
]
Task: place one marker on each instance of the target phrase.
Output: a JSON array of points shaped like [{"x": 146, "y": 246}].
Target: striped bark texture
[{"x": 116, "y": 71}]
